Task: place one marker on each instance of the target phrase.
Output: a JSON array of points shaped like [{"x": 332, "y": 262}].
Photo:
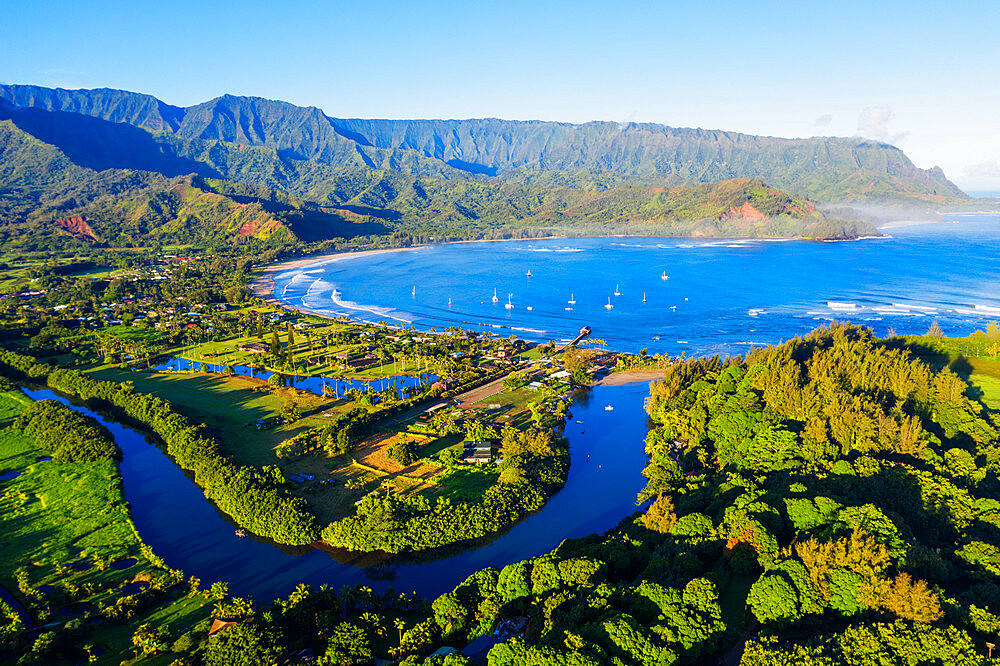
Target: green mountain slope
[
  {"x": 825, "y": 169},
  {"x": 132, "y": 185},
  {"x": 46, "y": 199}
]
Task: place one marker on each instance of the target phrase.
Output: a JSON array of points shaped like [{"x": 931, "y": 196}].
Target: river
[
  {"x": 720, "y": 297},
  {"x": 174, "y": 518}
]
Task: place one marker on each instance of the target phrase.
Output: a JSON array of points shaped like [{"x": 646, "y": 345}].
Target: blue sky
[{"x": 922, "y": 75}]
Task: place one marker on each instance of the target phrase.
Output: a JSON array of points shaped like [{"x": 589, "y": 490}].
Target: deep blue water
[
  {"x": 174, "y": 518},
  {"x": 728, "y": 294}
]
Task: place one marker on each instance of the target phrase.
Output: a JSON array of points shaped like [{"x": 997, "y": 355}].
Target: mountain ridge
[{"x": 823, "y": 168}]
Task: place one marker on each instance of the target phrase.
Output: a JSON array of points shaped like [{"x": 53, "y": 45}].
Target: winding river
[
  {"x": 174, "y": 518},
  {"x": 696, "y": 296}
]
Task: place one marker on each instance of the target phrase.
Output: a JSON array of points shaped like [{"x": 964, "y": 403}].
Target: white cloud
[
  {"x": 873, "y": 123},
  {"x": 985, "y": 175}
]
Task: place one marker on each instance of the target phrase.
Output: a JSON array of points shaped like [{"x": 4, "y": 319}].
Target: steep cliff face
[
  {"x": 825, "y": 169},
  {"x": 117, "y": 106}
]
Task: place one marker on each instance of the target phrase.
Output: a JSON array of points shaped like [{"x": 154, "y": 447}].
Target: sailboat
[
  {"x": 664, "y": 276},
  {"x": 643, "y": 297},
  {"x": 449, "y": 302},
  {"x": 509, "y": 305},
  {"x": 617, "y": 291},
  {"x": 413, "y": 292},
  {"x": 608, "y": 306},
  {"x": 572, "y": 300},
  {"x": 528, "y": 274},
  {"x": 495, "y": 299}
]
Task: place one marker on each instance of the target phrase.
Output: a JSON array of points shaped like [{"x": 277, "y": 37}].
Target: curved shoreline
[{"x": 263, "y": 285}]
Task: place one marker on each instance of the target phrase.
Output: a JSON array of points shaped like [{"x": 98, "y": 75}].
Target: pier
[{"x": 584, "y": 332}]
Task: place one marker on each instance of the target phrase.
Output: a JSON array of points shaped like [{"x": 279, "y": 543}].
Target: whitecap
[
  {"x": 371, "y": 309},
  {"x": 841, "y": 305}
]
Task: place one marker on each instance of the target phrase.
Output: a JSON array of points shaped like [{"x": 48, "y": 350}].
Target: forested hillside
[
  {"x": 825, "y": 169},
  {"x": 71, "y": 178},
  {"x": 830, "y": 500}
]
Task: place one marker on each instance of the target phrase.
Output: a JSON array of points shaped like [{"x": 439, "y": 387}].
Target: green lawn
[
  {"x": 990, "y": 386},
  {"x": 467, "y": 483},
  {"x": 56, "y": 514},
  {"x": 227, "y": 351},
  {"x": 227, "y": 405},
  {"x": 53, "y": 515}
]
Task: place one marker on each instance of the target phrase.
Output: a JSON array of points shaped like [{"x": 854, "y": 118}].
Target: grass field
[
  {"x": 461, "y": 484},
  {"x": 513, "y": 406},
  {"x": 228, "y": 404},
  {"x": 227, "y": 351},
  {"x": 990, "y": 386},
  {"x": 968, "y": 357},
  {"x": 52, "y": 516}
]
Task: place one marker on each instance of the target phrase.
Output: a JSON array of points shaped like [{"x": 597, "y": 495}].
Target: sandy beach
[
  {"x": 630, "y": 377},
  {"x": 263, "y": 286}
]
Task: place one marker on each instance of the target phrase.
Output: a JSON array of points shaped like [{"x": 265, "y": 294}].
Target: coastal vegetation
[
  {"x": 281, "y": 460},
  {"x": 824, "y": 500}
]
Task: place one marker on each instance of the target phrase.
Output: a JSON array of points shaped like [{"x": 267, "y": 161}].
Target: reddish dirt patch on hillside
[
  {"x": 77, "y": 227},
  {"x": 746, "y": 212},
  {"x": 262, "y": 224}
]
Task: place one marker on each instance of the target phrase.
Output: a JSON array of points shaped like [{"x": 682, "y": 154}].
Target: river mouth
[{"x": 173, "y": 517}]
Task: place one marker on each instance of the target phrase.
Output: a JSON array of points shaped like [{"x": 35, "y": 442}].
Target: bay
[{"x": 722, "y": 296}]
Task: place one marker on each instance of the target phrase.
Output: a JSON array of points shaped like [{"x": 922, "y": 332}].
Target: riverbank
[{"x": 601, "y": 488}]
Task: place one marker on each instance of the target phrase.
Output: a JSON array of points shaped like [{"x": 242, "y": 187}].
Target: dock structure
[{"x": 584, "y": 332}]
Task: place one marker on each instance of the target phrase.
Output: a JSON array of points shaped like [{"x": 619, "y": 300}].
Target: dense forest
[{"x": 830, "y": 500}]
